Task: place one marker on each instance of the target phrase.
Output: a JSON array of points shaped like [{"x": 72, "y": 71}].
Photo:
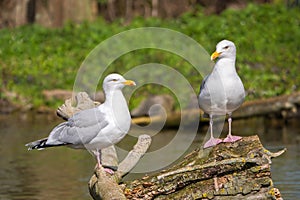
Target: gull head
[
  {"x": 224, "y": 49},
  {"x": 116, "y": 81}
]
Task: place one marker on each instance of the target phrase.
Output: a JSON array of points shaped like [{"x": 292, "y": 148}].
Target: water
[{"x": 63, "y": 173}]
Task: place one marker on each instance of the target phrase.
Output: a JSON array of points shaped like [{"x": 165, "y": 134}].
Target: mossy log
[{"x": 239, "y": 170}]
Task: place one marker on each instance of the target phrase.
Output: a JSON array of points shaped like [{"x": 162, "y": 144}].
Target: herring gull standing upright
[
  {"x": 222, "y": 91},
  {"x": 95, "y": 128}
]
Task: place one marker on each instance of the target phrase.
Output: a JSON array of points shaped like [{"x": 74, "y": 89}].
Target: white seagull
[
  {"x": 222, "y": 91},
  {"x": 95, "y": 128}
]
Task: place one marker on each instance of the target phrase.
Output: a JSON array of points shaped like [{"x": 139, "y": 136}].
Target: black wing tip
[
  {"x": 29, "y": 147},
  {"x": 39, "y": 144}
]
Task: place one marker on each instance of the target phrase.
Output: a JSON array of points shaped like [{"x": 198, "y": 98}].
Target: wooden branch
[
  {"x": 103, "y": 186},
  {"x": 173, "y": 119},
  {"x": 109, "y": 158},
  {"x": 134, "y": 155},
  {"x": 80, "y": 101},
  {"x": 285, "y": 106}
]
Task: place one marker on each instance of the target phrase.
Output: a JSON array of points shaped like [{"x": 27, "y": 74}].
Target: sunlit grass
[{"x": 267, "y": 37}]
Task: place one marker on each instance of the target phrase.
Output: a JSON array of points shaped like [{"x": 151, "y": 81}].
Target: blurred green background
[{"x": 35, "y": 57}]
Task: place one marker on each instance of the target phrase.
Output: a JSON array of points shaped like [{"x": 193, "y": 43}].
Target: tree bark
[
  {"x": 55, "y": 13},
  {"x": 238, "y": 170},
  {"x": 13, "y": 13},
  {"x": 154, "y": 12},
  {"x": 111, "y": 10},
  {"x": 106, "y": 185}
]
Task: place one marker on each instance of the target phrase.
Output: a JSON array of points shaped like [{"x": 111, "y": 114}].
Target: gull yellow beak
[
  {"x": 129, "y": 82},
  {"x": 215, "y": 55}
]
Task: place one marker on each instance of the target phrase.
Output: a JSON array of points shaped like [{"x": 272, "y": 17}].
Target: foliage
[{"x": 34, "y": 58}]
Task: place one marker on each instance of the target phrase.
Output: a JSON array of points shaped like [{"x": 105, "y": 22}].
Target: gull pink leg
[
  {"x": 231, "y": 138},
  {"x": 97, "y": 153},
  {"x": 212, "y": 141}
]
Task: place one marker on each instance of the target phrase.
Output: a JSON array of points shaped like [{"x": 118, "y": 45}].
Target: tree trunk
[
  {"x": 154, "y": 12},
  {"x": 111, "y": 10},
  {"x": 55, "y": 13},
  {"x": 13, "y": 13},
  {"x": 239, "y": 170}
]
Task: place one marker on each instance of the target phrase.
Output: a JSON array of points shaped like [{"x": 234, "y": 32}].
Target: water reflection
[{"x": 63, "y": 173}]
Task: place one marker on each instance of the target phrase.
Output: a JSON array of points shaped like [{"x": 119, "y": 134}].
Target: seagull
[
  {"x": 95, "y": 128},
  {"x": 222, "y": 91}
]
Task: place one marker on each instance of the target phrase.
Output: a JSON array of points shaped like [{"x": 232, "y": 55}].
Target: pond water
[{"x": 63, "y": 173}]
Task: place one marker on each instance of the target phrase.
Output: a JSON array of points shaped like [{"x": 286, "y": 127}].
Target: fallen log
[
  {"x": 149, "y": 104},
  {"x": 239, "y": 170},
  {"x": 286, "y": 106}
]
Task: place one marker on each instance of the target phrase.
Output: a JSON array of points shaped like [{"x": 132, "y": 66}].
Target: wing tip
[{"x": 39, "y": 144}]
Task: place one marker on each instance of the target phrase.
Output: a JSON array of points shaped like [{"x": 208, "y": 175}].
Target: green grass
[{"x": 33, "y": 58}]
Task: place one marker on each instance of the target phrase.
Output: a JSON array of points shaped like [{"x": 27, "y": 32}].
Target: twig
[
  {"x": 134, "y": 155},
  {"x": 109, "y": 158},
  {"x": 276, "y": 154}
]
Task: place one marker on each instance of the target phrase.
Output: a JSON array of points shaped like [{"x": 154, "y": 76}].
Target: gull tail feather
[{"x": 41, "y": 144}]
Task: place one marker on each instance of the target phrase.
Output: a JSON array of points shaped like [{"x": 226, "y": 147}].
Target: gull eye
[
  {"x": 114, "y": 80},
  {"x": 226, "y": 47}
]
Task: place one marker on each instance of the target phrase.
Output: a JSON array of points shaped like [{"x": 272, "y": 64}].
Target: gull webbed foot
[
  {"x": 232, "y": 138},
  {"x": 212, "y": 142}
]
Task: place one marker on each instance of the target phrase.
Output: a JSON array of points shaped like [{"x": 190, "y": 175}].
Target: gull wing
[{"x": 80, "y": 129}]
